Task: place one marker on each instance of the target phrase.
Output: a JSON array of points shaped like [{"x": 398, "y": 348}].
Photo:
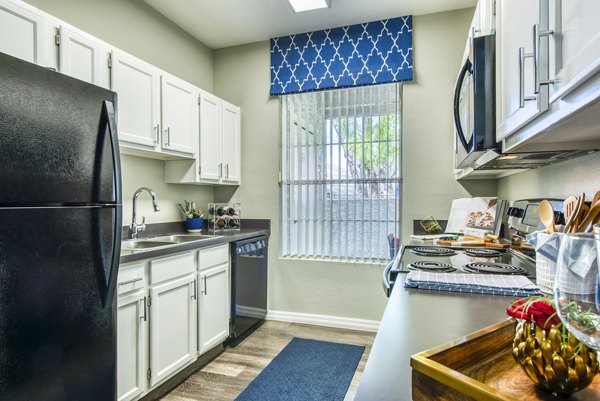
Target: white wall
[
  {"x": 348, "y": 289},
  {"x": 133, "y": 26}
]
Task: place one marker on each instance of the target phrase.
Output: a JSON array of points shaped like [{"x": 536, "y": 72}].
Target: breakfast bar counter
[{"x": 414, "y": 321}]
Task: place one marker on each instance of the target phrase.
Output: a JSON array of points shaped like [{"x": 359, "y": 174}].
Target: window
[{"x": 341, "y": 178}]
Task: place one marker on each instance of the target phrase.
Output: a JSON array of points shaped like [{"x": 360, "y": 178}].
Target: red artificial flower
[{"x": 538, "y": 310}]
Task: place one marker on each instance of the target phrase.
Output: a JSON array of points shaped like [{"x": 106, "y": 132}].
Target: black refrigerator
[{"x": 60, "y": 236}]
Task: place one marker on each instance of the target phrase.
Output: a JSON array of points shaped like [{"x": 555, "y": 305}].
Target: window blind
[{"x": 341, "y": 177}]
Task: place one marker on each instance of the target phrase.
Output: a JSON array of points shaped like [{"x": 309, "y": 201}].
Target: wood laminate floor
[{"x": 225, "y": 377}]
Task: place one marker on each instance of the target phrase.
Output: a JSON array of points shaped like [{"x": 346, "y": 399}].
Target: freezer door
[
  {"x": 55, "y": 145},
  {"x": 57, "y": 330}
]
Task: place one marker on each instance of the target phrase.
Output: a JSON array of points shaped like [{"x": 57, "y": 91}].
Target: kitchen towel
[{"x": 495, "y": 284}]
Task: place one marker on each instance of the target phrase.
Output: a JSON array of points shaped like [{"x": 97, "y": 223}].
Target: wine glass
[{"x": 577, "y": 286}]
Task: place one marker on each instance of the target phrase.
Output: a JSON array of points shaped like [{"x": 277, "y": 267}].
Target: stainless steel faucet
[{"x": 134, "y": 227}]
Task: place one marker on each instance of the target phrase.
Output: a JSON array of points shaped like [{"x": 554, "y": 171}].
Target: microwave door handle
[{"x": 467, "y": 68}]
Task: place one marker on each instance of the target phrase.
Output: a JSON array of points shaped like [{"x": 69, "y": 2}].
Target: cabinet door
[
  {"x": 518, "y": 101},
  {"x": 211, "y": 167},
  {"x": 132, "y": 346},
  {"x": 576, "y": 46},
  {"x": 486, "y": 11},
  {"x": 214, "y": 307},
  {"x": 21, "y": 33},
  {"x": 80, "y": 57},
  {"x": 173, "y": 333},
  {"x": 179, "y": 115},
  {"x": 138, "y": 86},
  {"x": 231, "y": 143}
]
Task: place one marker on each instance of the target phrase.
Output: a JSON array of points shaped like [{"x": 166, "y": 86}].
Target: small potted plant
[{"x": 194, "y": 218}]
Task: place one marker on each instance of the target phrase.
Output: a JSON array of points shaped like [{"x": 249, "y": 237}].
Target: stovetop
[{"x": 465, "y": 260}]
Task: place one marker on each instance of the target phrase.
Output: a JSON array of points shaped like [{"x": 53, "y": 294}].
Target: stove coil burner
[
  {"x": 427, "y": 265},
  {"x": 483, "y": 252},
  {"x": 494, "y": 268},
  {"x": 433, "y": 251}
]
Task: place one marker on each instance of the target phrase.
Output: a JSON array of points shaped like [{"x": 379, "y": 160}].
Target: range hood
[{"x": 493, "y": 164}]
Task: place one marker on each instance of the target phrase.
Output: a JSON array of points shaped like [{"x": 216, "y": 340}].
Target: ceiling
[{"x": 236, "y": 22}]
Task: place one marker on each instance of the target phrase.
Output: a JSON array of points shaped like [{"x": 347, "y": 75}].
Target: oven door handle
[{"x": 387, "y": 285}]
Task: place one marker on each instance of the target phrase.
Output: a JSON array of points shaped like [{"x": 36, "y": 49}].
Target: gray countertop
[
  {"x": 414, "y": 321},
  {"x": 224, "y": 238}
]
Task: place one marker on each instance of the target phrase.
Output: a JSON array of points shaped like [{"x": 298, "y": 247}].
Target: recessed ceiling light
[{"x": 307, "y": 5}]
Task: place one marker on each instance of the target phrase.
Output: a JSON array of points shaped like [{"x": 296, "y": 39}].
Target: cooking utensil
[
  {"x": 596, "y": 197},
  {"x": 570, "y": 208},
  {"x": 547, "y": 215},
  {"x": 583, "y": 211},
  {"x": 588, "y": 219}
]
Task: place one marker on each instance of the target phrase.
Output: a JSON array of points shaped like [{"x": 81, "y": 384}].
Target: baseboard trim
[{"x": 324, "y": 320}]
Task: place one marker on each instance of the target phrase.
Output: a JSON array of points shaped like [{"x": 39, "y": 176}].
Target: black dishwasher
[{"x": 249, "y": 271}]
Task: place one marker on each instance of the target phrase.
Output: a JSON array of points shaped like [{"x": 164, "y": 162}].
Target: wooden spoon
[
  {"x": 570, "y": 208},
  {"x": 596, "y": 198},
  {"x": 589, "y": 218},
  {"x": 583, "y": 211},
  {"x": 547, "y": 215}
]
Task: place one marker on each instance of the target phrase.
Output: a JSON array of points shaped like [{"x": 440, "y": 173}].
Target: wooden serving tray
[{"x": 480, "y": 367}]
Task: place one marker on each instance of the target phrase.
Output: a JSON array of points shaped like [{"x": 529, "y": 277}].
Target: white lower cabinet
[
  {"x": 170, "y": 310},
  {"x": 132, "y": 345},
  {"x": 213, "y": 316},
  {"x": 214, "y": 296},
  {"x": 173, "y": 308},
  {"x": 132, "y": 332}
]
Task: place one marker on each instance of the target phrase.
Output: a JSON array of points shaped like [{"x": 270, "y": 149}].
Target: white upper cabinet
[
  {"x": 211, "y": 167},
  {"x": 82, "y": 57},
  {"x": 158, "y": 113},
  {"x": 21, "y": 32},
  {"x": 548, "y": 75},
  {"x": 179, "y": 115},
  {"x": 231, "y": 144},
  {"x": 137, "y": 84},
  {"x": 219, "y": 158},
  {"x": 575, "y": 53},
  {"x": 485, "y": 16},
  {"x": 521, "y": 61}
]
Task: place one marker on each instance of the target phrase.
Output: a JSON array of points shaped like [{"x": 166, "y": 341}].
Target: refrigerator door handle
[{"x": 108, "y": 295}]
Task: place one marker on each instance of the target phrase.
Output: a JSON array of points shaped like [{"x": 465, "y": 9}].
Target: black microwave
[{"x": 475, "y": 103}]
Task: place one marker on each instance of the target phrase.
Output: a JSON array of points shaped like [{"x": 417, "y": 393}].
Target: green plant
[{"x": 190, "y": 211}]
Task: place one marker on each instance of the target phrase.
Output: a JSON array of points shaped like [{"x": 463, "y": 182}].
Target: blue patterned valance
[{"x": 363, "y": 54}]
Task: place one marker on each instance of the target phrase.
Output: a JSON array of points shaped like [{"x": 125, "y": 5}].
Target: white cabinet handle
[
  {"x": 135, "y": 280},
  {"x": 156, "y": 131},
  {"x": 537, "y": 36},
  {"x": 194, "y": 296},
  {"x": 168, "y": 132},
  {"x": 522, "y": 97},
  {"x": 144, "y": 316}
]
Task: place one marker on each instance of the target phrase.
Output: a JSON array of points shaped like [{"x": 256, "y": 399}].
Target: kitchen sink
[
  {"x": 147, "y": 244},
  {"x": 182, "y": 238},
  {"x": 138, "y": 245}
]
